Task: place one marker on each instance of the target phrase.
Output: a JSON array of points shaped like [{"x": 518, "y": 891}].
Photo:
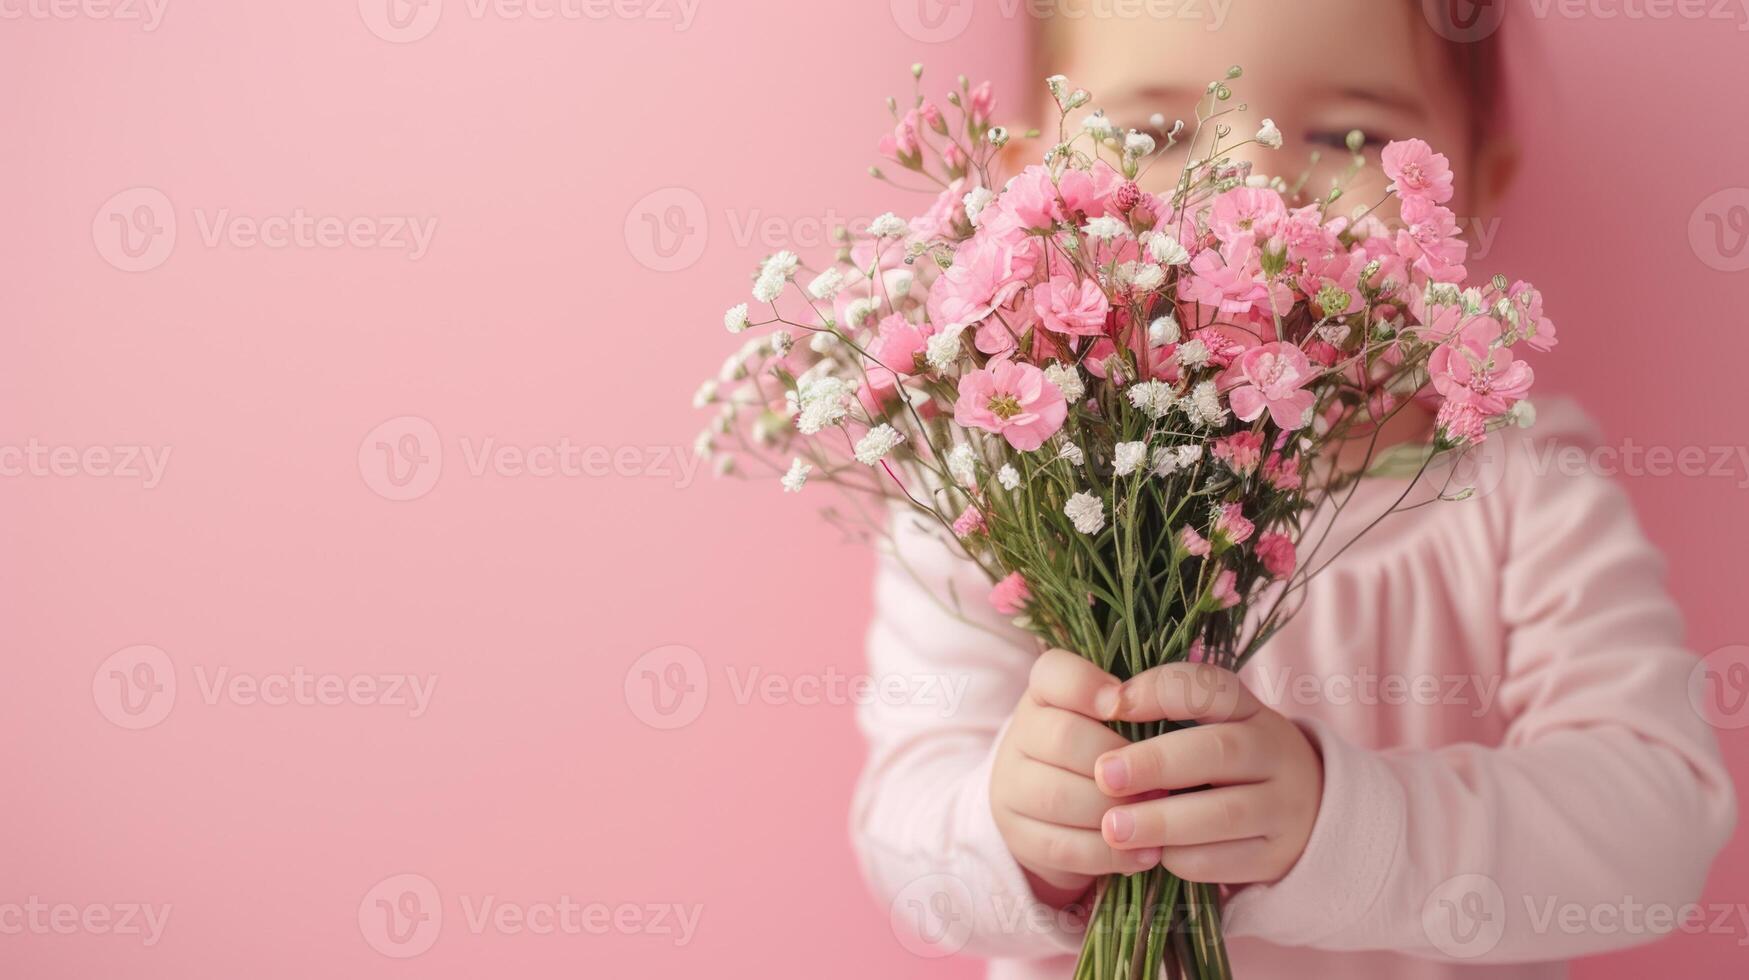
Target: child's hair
[{"x": 1479, "y": 67}]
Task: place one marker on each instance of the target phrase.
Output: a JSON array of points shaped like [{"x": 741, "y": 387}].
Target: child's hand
[
  {"x": 1267, "y": 780},
  {"x": 1042, "y": 792}
]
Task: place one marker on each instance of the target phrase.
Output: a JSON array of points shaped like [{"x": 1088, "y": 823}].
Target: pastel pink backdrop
[{"x": 538, "y": 314}]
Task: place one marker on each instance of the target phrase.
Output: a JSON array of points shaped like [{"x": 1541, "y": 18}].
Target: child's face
[{"x": 1319, "y": 69}]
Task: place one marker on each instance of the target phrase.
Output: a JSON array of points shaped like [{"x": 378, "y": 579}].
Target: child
[{"x": 1479, "y": 715}]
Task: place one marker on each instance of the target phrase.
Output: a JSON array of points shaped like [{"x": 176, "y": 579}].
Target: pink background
[{"x": 541, "y": 313}]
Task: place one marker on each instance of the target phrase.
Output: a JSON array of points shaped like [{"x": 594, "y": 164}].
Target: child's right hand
[{"x": 1042, "y": 792}]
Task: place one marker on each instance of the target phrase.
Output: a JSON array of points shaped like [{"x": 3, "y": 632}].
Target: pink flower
[
  {"x": 1272, "y": 377},
  {"x": 1028, "y": 201},
  {"x": 903, "y": 144},
  {"x": 1246, "y": 211},
  {"x": 1226, "y": 593},
  {"x": 969, "y": 523},
  {"x": 1539, "y": 329},
  {"x": 1010, "y": 595},
  {"x": 1432, "y": 240},
  {"x": 986, "y": 272},
  {"x": 1472, "y": 371},
  {"x": 982, "y": 104},
  {"x": 1088, "y": 193},
  {"x": 1067, "y": 307},
  {"x": 1242, "y": 452},
  {"x": 1232, "y": 528},
  {"x": 1231, "y": 280},
  {"x": 1194, "y": 543},
  {"x": 1276, "y": 551},
  {"x": 1459, "y": 422},
  {"x": 1016, "y": 401},
  {"x": 1282, "y": 472},
  {"x": 1417, "y": 172}
]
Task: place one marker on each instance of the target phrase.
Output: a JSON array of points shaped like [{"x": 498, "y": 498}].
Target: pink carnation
[
  {"x": 1013, "y": 400},
  {"x": 1232, "y": 527},
  {"x": 1272, "y": 377},
  {"x": 1432, "y": 240},
  {"x": 1010, "y": 595},
  {"x": 1067, "y": 307},
  {"x": 1246, "y": 211},
  {"x": 1417, "y": 172},
  {"x": 969, "y": 523},
  {"x": 1276, "y": 551},
  {"x": 1194, "y": 543},
  {"x": 1282, "y": 472},
  {"x": 1226, "y": 592},
  {"x": 1242, "y": 452},
  {"x": 982, "y": 104},
  {"x": 1472, "y": 371}
]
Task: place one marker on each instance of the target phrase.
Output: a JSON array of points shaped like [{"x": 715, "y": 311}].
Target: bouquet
[{"x": 1126, "y": 407}]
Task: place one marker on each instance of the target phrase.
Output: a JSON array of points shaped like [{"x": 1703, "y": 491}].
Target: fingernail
[
  {"x": 1120, "y": 826},
  {"x": 1105, "y": 701},
  {"x": 1115, "y": 773}
]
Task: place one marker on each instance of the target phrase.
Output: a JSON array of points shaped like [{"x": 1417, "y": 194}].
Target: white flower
[
  {"x": 888, "y": 225},
  {"x": 1067, "y": 380},
  {"x": 823, "y": 342},
  {"x": 797, "y": 477},
  {"x": 977, "y": 199},
  {"x": 1144, "y": 276},
  {"x": 1205, "y": 405},
  {"x": 781, "y": 343},
  {"x": 898, "y": 282},
  {"x": 861, "y": 310},
  {"x": 1138, "y": 144},
  {"x": 943, "y": 350},
  {"x": 1170, "y": 459},
  {"x": 735, "y": 321},
  {"x": 1087, "y": 512},
  {"x": 725, "y": 465},
  {"x": 962, "y": 464},
  {"x": 1192, "y": 354},
  {"x": 1269, "y": 135},
  {"x": 781, "y": 264},
  {"x": 767, "y": 288},
  {"x": 1130, "y": 457},
  {"x": 1105, "y": 227},
  {"x": 1008, "y": 476},
  {"x": 821, "y": 401},
  {"x": 827, "y": 284},
  {"x": 1152, "y": 398},
  {"x": 1056, "y": 83},
  {"x": 1098, "y": 126},
  {"x": 874, "y": 447},
  {"x": 1165, "y": 249},
  {"x": 706, "y": 394},
  {"x": 1072, "y": 453},
  {"x": 1522, "y": 414},
  {"x": 704, "y": 445},
  {"x": 1163, "y": 331}
]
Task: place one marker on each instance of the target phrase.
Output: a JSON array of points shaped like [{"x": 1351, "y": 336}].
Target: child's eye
[{"x": 1338, "y": 139}]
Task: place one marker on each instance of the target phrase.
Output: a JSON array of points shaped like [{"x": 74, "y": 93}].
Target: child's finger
[
  {"x": 1058, "y": 796},
  {"x": 1221, "y": 754},
  {"x": 1081, "y": 852},
  {"x": 1185, "y": 692},
  {"x": 1065, "y": 739},
  {"x": 1234, "y": 862},
  {"x": 1205, "y": 817},
  {"x": 1062, "y": 679}
]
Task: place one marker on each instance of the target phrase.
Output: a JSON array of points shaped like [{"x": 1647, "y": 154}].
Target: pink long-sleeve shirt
[{"x": 1513, "y": 771}]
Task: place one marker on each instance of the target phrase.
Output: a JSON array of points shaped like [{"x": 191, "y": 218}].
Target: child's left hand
[{"x": 1265, "y": 778}]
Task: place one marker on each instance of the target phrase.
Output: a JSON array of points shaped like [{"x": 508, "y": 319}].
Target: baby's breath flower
[
  {"x": 1522, "y": 414},
  {"x": 874, "y": 447},
  {"x": 1138, "y": 144},
  {"x": 821, "y": 401},
  {"x": 1192, "y": 354},
  {"x": 704, "y": 445},
  {"x": 1056, "y": 83},
  {"x": 1205, "y": 405},
  {"x": 1098, "y": 126},
  {"x": 1008, "y": 476},
  {"x": 1269, "y": 135},
  {"x": 1129, "y": 457},
  {"x": 977, "y": 199},
  {"x": 797, "y": 477},
  {"x": 823, "y": 342},
  {"x": 943, "y": 350},
  {"x": 861, "y": 310},
  {"x": 1145, "y": 276},
  {"x": 998, "y": 136},
  {"x": 962, "y": 464},
  {"x": 706, "y": 394},
  {"x": 887, "y": 225},
  {"x": 1068, "y": 381},
  {"x": 1105, "y": 227},
  {"x": 1152, "y": 398},
  {"x": 781, "y": 343},
  {"x": 1072, "y": 453},
  {"x": 781, "y": 264},
  {"x": 1164, "y": 330},
  {"x": 1165, "y": 249},
  {"x": 735, "y": 320},
  {"x": 827, "y": 284},
  {"x": 767, "y": 288},
  {"x": 1087, "y": 512},
  {"x": 725, "y": 465}
]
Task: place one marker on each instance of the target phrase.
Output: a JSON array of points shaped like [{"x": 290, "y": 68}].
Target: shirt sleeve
[
  {"x": 1592, "y": 824},
  {"x": 921, "y": 819}
]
